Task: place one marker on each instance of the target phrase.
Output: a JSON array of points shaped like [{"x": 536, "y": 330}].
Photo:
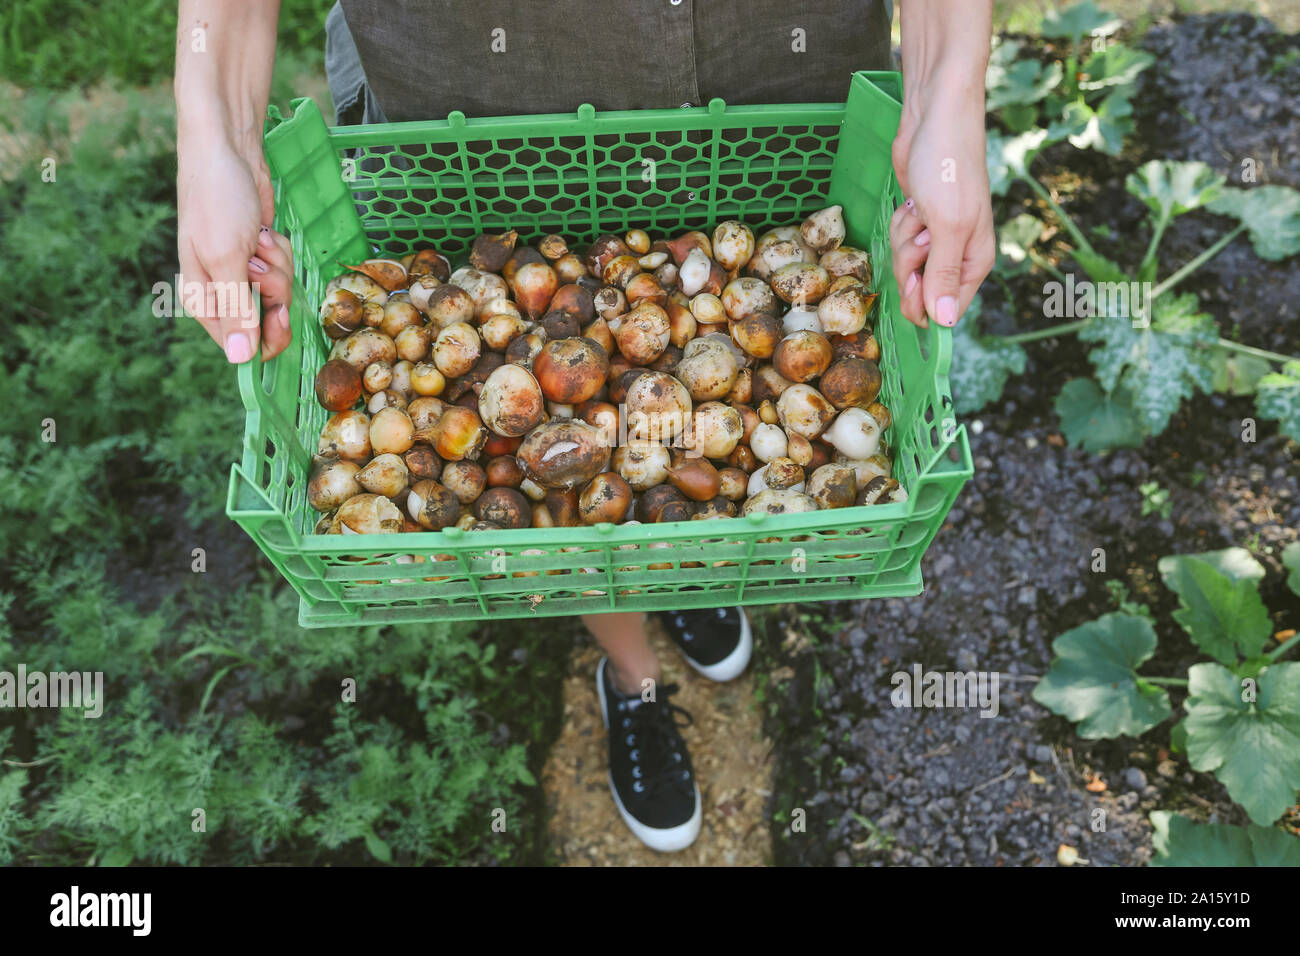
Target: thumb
[{"x": 941, "y": 280}]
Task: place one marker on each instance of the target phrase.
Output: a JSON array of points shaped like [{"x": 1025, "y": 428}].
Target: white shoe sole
[
  {"x": 734, "y": 664},
  {"x": 664, "y": 841}
]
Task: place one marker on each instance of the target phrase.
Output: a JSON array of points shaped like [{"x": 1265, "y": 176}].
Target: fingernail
[
  {"x": 910, "y": 203},
  {"x": 257, "y": 265},
  {"x": 238, "y": 350},
  {"x": 912, "y": 280},
  {"x": 946, "y": 308},
  {"x": 264, "y": 237},
  {"x": 923, "y": 239},
  {"x": 282, "y": 316}
]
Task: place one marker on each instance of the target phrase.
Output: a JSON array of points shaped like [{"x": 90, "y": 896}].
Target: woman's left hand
[{"x": 942, "y": 237}]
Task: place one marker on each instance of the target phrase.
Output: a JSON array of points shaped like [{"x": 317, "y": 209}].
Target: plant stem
[
  {"x": 1199, "y": 261},
  {"x": 1034, "y": 336},
  {"x": 1278, "y": 651},
  {"x": 1157, "y": 232},
  {"x": 1046, "y": 266},
  {"x": 1165, "y": 681},
  {"x": 1232, "y": 346},
  {"x": 1075, "y": 233}
]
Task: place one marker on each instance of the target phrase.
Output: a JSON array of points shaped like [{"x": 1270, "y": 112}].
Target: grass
[
  {"x": 78, "y": 43},
  {"x": 215, "y": 701}
]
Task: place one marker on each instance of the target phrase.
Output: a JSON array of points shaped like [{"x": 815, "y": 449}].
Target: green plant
[
  {"x": 1155, "y": 500},
  {"x": 1119, "y": 596},
  {"x": 1151, "y": 349},
  {"x": 213, "y": 698},
  {"x": 1242, "y": 713},
  {"x": 1180, "y": 842},
  {"x": 72, "y": 44},
  {"x": 1084, "y": 94}
]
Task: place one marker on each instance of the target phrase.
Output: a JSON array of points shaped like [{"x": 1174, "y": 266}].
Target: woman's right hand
[{"x": 225, "y": 242}]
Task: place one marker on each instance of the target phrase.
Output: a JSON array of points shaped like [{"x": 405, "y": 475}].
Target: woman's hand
[
  {"x": 226, "y": 245},
  {"x": 225, "y": 50},
  {"x": 942, "y": 237}
]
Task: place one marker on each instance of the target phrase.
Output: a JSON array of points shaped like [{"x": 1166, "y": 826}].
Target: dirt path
[{"x": 732, "y": 761}]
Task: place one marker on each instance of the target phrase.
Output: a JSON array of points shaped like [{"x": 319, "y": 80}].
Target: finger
[
  {"x": 903, "y": 209},
  {"x": 275, "y": 249},
  {"x": 911, "y": 303},
  {"x": 911, "y": 256},
  {"x": 275, "y": 287},
  {"x": 943, "y": 275},
  {"x": 908, "y": 258},
  {"x": 906, "y": 230},
  {"x": 276, "y": 335}
]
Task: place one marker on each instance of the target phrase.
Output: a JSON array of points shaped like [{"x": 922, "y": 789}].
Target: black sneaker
[
  {"x": 649, "y": 769},
  {"x": 717, "y": 642}
]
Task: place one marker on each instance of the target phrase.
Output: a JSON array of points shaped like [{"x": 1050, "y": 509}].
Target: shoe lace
[{"x": 654, "y": 728}]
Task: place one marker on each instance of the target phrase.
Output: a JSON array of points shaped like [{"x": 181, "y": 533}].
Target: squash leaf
[
  {"x": 1077, "y": 21},
  {"x": 1171, "y": 188},
  {"x": 1093, "y": 679},
  {"x": 1291, "y": 561},
  {"x": 1095, "y": 421},
  {"x": 1102, "y": 129},
  {"x": 1277, "y": 396},
  {"x": 1252, "y": 746},
  {"x": 1020, "y": 82},
  {"x": 1219, "y": 603},
  {"x": 1271, "y": 215},
  {"x": 1180, "y": 842},
  {"x": 980, "y": 364},
  {"x": 1008, "y": 157},
  {"x": 1158, "y": 365},
  {"x": 1117, "y": 66}
]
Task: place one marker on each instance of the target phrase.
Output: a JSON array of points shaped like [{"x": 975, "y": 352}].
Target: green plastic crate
[{"x": 346, "y": 193}]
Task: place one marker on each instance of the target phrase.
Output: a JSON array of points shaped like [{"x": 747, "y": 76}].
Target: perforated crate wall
[{"x": 348, "y": 193}]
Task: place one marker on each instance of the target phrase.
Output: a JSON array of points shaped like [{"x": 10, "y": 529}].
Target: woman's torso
[{"x": 422, "y": 60}]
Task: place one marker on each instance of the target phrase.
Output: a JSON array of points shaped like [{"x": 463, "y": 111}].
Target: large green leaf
[
  {"x": 1093, "y": 679},
  {"x": 1115, "y": 66},
  {"x": 1161, "y": 364},
  {"x": 1180, "y": 842},
  {"x": 1009, "y": 157},
  {"x": 1291, "y": 561},
  {"x": 1277, "y": 396},
  {"x": 1271, "y": 215},
  {"x": 1172, "y": 188},
  {"x": 1016, "y": 237},
  {"x": 980, "y": 364},
  {"x": 1095, "y": 421},
  {"x": 1079, "y": 20},
  {"x": 1019, "y": 117},
  {"x": 1021, "y": 82},
  {"x": 1253, "y": 747},
  {"x": 1098, "y": 267},
  {"x": 1102, "y": 129},
  {"x": 1219, "y": 603},
  {"x": 1238, "y": 374}
]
